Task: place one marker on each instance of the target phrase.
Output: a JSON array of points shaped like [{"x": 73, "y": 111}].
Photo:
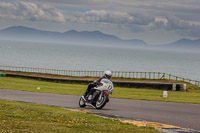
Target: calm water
[{"x": 70, "y": 57}]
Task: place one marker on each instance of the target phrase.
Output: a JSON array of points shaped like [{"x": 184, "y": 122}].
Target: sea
[{"x": 90, "y": 57}]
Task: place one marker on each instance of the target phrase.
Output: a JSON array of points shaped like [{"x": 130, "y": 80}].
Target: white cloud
[
  {"x": 136, "y": 22},
  {"x": 181, "y": 27},
  {"x": 112, "y": 17},
  {"x": 30, "y": 11},
  {"x": 107, "y": 16}
]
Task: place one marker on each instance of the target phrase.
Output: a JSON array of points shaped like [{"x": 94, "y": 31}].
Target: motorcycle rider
[{"x": 106, "y": 75}]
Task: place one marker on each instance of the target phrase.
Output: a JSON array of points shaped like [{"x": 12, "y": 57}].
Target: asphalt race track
[{"x": 177, "y": 114}]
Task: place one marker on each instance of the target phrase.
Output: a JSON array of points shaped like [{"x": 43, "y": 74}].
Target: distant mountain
[
  {"x": 184, "y": 44},
  {"x": 21, "y": 33}
]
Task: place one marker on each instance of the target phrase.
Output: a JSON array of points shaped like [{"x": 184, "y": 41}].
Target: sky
[{"x": 154, "y": 21}]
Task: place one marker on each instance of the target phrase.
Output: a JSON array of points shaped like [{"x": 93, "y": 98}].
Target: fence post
[{"x": 68, "y": 73}]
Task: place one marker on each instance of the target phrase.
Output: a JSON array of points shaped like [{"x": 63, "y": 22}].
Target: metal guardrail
[{"x": 122, "y": 74}]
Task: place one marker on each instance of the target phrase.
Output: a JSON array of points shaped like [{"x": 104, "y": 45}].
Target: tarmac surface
[{"x": 177, "y": 114}]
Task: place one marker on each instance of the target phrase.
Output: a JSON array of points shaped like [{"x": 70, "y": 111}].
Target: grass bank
[
  {"x": 190, "y": 96},
  {"x": 25, "y": 117}
]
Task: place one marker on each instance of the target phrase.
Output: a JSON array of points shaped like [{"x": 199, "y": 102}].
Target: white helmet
[{"x": 107, "y": 74}]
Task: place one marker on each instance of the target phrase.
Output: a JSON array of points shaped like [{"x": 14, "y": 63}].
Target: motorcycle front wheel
[
  {"x": 82, "y": 103},
  {"x": 102, "y": 102}
]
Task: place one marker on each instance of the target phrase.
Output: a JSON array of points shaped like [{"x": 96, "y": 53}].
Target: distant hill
[
  {"x": 184, "y": 44},
  {"x": 21, "y": 33}
]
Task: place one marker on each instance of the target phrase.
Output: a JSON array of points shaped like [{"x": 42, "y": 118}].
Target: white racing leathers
[{"x": 100, "y": 96}]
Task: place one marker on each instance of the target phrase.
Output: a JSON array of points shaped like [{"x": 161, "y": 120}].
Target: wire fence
[{"x": 121, "y": 74}]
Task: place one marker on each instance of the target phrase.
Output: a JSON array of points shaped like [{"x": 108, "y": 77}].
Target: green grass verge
[
  {"x": 25, "y": 117},
  {"x": 190, "y": 96}
]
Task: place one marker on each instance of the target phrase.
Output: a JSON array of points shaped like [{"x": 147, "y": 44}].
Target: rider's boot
[
  {"x": 86, "y": 93},
  {"x": 88, "y": 90}
]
